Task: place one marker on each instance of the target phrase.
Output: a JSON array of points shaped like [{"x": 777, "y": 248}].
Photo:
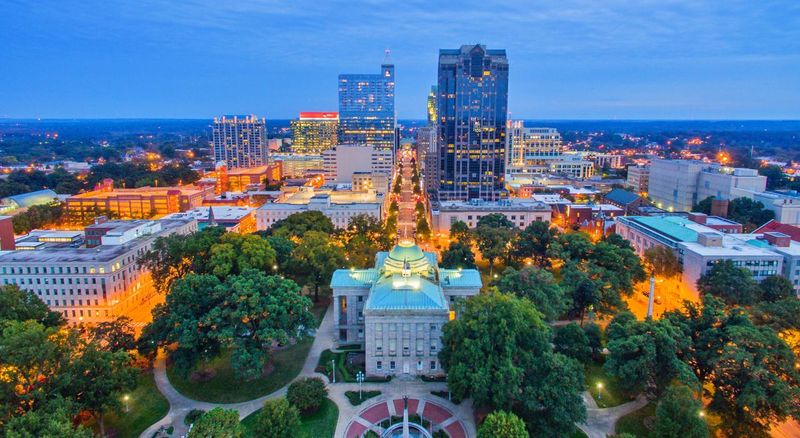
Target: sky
[{"x": 569, "y": 59}]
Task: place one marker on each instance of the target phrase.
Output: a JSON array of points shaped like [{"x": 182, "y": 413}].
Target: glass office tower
[
  {"x": 472, "y": 104},
  {"x": 366, "y": 108}
]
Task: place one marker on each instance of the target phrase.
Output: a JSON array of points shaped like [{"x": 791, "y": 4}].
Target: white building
[
  {"x": 338, "y": 205},
  {"x": 539, "y": 151},
  {"x": 90, "y": 285},
  {"x": 341, "y": 162},
  {"x": 785, "y": 204},
  {"x": 240, "y": 141},
  {"x": 298, "y": 166},
  {"x": 638, "y": 178},
  {"x": 677, "y": 185},
  {"x": 519, "y": 211},
  {"x": 366, "y": 181}
]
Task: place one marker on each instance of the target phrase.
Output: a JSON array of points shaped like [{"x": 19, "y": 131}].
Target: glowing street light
[
  {"x": 127, "y": 405},
  {"x": 599, "y": 390}
]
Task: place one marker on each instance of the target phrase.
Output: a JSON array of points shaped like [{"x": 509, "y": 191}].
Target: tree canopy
[
  {"x": 458, "y": 255},
  {"x": 733, "y": 284},
  {"x": 277, "y": 419},
  {"x": 537, "y": 285},
  {"x": 502, "y": 424},
  {"x": 217, "y": 423}
]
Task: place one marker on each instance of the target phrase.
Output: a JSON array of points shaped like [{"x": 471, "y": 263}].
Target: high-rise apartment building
[
  {"x": 366, "y": 108},
  {"x": 240, "y": 141},
  {"x": 471, "y": 105},
  {"x": 314, "y": 132}
]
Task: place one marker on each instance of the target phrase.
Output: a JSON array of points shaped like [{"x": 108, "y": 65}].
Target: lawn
[
  {"x": 226, "y": 387},
  {"x": 344, "y": 371},
  {"x": 633, "y": 423},
  {"x": 146, "y": 406},
  {"x": 321, "y": 424},
  {"x": 611, "y": 394}
]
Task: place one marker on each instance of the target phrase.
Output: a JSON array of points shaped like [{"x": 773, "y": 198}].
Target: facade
[
  {"x": 234, "y": 219},
  {"x": 10, "y": 204},
  {"x": 638, "y": 178},
  {"x": 609, "y": 161},
  {"x": 90, "y": 285},
  {"x": 341, "y": 162},
  {"x": 7, "y": 233},
  {"x": 298, "y": 166},
  {"x": 240, "y": 141},
  {"x": 244, "y": 179},
  {"x": 785, "y": 204},
  {"x": 472, "y": 106},
  {"x": 519, "y": 211},
  {"x": 678, "y": 185},
  {"x": 698, "y": 246},
  {"x": 426, "y": 154},
  {"x": 397, "y": 309},
  {"x": 314, "y": 132},
  {"x": 139, "y": 203},
  {"x": 366, "y": 109},
  {"x": 531, "y": 150},
  {"x": 366, "y": 181},
  {"x": 339, "y": 206}
]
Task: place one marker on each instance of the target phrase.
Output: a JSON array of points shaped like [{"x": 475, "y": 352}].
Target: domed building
[{"x": 396, "y": 310}]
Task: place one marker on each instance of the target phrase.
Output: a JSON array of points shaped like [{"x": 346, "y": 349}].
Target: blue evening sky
[{"x": 569, "y": 59}]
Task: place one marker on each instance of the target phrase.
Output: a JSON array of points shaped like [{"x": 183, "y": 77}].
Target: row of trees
[
  {"x": 53, "y": 375},
  {"x": 751, "y": 214}
]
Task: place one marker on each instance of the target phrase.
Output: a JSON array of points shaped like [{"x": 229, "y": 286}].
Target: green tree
[
  {"x": 776, "y": 179},
  {"x": 571, "y": 340},
  {"x": 315, "y": 259},
  {"x": 307, "y": 394},
  {"x": 733, "y": 284},
  {"x": 114, "y": 335},
  {"x": 775, "y": 288},
  {"x": 458, "y": 255},
  {"x": 174, "y": 256},
  {"x": 678, "y": 415},
  {"x": 537, "y": 285},
  {"x": 571, "y": 247},
  {"x": 583, "y": 291},
  {"x": 595, "y": 337},
  {"x": 423, "y": 229},
  {"x": 277, "y": 419},
  {"x": 534, "y": 242},
  {"x": 704, "y": 206},
  {"x": 524, "y": 374},
  {"x": 55, "y": 420},
  {"x": 502, "y": 424},
  {"x": 21, "y": 305},
  {"x": 218, "y": 423},
  {"x": 236, "y": 253},
  {"x": 460, "y": 232},
  {"x": 662, "y": 261},
  {"x": 751, "y": 214},
  {"x": 37, "y": 216},
  {"x": 494, "y": 234},
  {"x": 283, "y": 250},
  {"x": 296, "y": 225}
]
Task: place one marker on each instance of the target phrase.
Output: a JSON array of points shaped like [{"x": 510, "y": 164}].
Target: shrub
[{"x": 307, "y": 394}]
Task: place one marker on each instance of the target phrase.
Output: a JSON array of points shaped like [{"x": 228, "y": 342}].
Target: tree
[
  {"x": 534, "y": 241},
  {"x": 174, "y": 256},
  {"x": 115, "y": 335},
  {"x": 296, "y": 225},
  {"x": 277, "y": 419},
  {"x": 315, "y": 259},
  {"x": 646, "y": 354},
  {"x": 458, "y": 255},
  {"x": 218, "y": 423},
  {"x": 538, "y": 286},
  {"x": 583, "y": 291},
  {"x": 775, "y": 288},
  {"x": 776, "y": 179},
  {"x": 364, "y": 237},
  {"x": 571, "y": 341},
  {"x": 502, "y": 424},
  {"x": 307, "y": 394},
  {"x": 595, "y": 337},
  {"x": 704, "y": 206},
  {"x": 55, "y": 420},
  {"x": 423, "y": 229},
  {"x": 524, "y": 374},
  {"x": 751, "y": 214},
  {"x": 678, "y": 415},
  {"x": 21, "y": 305},
  {"x": 733, "y": 284},
  {"x": 571, "y": 247},
  {"x": 236, "y": 253},
  {"x": 283, "y": 250},
  {"x": 662, "y": 261},
  {"x": 494, "y": 234},
  {"x": 460, "y": 232}
]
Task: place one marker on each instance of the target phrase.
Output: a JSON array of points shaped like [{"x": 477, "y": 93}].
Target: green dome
[{"x": 406, "y": 252}]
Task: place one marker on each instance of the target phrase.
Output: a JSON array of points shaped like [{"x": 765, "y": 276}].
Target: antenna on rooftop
[{"x": 387, "y": 56}]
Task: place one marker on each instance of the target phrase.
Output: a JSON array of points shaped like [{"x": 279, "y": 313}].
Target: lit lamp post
[
  {"x": 600, "y": 390},
  {"x": 360, "y": 380},
  {"x": 127, "y": 405},
  {"x": 333, "y": 364},
  {"x": 275, "y": 268}
]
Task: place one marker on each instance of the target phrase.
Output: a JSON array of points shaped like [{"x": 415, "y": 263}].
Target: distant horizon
[{"x": 422, "y": 119}]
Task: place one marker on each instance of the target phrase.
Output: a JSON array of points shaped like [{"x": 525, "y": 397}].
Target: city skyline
[{"x": 572, "y": 60}]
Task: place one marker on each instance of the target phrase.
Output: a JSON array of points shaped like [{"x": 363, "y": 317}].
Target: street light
[
  {"x": 360, "y": 380},
  {"x": 701, "y": 414},
  {"x": 333, "y": 364},
  {"x": 599, "y": 390},
  {"x": 127, "y": 405}
]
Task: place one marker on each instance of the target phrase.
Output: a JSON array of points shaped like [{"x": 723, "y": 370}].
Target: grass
[
  {"x": 226, "y": 387},
  {"x": 319, "y": 310},
  {"x": 633, "y": 423},
  {"x": 579, "y": 434},
  {"x": 355, "y": 400},
  {"x": 611, "y": 394},
  {"x": 146, "y": 406},
  {"x": 320, "y": 424}
]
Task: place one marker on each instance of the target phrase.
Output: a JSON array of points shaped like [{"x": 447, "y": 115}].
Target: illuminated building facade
[
  {"x": 240, "y": 141},
  {"x": 397, "y": 309},
  {"x": 314, "y": 132},
  {"x": 91, "y": 285},
  {"x": 366, "y": 109},
  {"x": 472, "y": 105}
]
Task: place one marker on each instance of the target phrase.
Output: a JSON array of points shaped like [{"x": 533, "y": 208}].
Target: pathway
[{"x": 600, "y": 422}]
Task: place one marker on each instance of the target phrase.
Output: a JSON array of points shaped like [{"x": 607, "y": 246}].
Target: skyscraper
[
  {"x": 366, "y": 108},
  {"x": 531, "y": 149},
  {"x": 472, "y": 105},
  {"x": 314, "y": 132},
  {"x": 240, "y": 141}
]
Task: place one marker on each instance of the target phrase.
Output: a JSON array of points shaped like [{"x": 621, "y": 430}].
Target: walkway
[
  {"x": 429, "y": 408},
  {"x": 600, "y": 422},
  {"x": 180, "y": 405}
]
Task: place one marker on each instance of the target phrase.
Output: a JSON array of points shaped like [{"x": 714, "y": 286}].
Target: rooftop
[
  {"x": 513, "y": 204},
  {"x": 141, "y": 191},
  {"x": 622, "y": 197},
  {"x": 221, "y": 213}
]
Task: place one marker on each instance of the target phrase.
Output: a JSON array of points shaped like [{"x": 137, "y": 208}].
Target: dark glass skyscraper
[
  {"x": 366, "y": 108},
  {"x": 471, "y": 106}
]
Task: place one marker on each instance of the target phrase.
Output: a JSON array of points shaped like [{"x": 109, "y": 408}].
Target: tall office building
[
  {"x": 240, "y": 141},
  {"x": 472, "y": 104},
  {"x": 531, "y": 149},
  {"x": 432, "y": 106},
  {"x": 366, "y": 109},
  {"x": 314, "y": 132}
]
